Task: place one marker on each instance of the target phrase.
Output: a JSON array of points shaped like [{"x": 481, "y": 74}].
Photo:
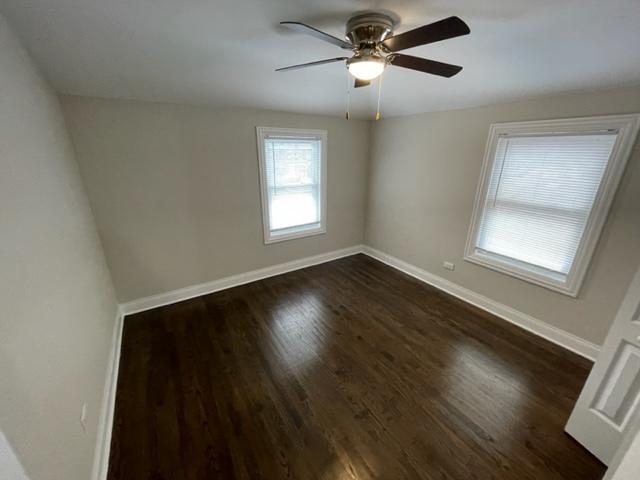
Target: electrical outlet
[
  {"x": 449, "y": 265},
  {"x": 83, "y": 417}
]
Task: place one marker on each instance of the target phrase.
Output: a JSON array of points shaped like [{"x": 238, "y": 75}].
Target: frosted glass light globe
[{"x": 366, "y": 68}]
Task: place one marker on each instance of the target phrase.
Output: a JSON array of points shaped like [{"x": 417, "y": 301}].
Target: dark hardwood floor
[{"x": 346, "y": 370}]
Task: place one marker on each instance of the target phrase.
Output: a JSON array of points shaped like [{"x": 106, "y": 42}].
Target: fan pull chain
[
  {"x": 379, "y": 94},
  {"x": 348, "y": 114}
]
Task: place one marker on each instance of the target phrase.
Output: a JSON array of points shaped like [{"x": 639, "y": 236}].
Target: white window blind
[
  {"x": 544, "y": 193},
  {"x": 540, "y": 195},
  {"x": 293, "y": 182},
  {"x": 292, "y": 173}
]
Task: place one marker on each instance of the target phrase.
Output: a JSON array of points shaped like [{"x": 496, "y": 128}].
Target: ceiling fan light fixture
[
  {"x": 366, "y": 67},
  {"x": 374, "y": 44}
]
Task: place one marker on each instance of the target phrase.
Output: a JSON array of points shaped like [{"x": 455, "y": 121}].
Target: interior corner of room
[{"x": 353, "y": 282}]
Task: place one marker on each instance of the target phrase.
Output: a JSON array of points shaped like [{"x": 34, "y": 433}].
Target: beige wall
[
  {"x": 176, "y": 195},
  {"x": 57, "y": 306},
  {"x": 423, "y": 177}
]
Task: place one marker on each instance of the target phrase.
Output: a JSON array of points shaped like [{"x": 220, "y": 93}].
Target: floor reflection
[{"x": 298, "y": 329}]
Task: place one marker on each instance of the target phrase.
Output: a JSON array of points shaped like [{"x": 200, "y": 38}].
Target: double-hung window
[
  {"x": 544, "y": 194},
  {"x": 293, "y": 170}
]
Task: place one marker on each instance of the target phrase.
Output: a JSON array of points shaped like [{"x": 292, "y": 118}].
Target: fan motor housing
[{"x": 369, "y": 28}]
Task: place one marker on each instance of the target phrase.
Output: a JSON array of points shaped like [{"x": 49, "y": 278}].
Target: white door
[
  {"x": 610, "y": 396},
  {"x": 626, "y": 462}
]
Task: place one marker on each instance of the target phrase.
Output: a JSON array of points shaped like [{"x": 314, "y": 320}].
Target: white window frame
[
  {"x": 627, "y": 127},
  {"x": 298, "y": 231}
]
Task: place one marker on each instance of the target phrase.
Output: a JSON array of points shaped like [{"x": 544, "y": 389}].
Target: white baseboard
[
  {"x": 167, "y": 298},
  {"x": 556, "y": 335},
  {"x": 105, "y": 424}
]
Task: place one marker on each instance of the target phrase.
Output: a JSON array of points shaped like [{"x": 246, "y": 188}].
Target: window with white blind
[
  {"x": 293, "y": 182},
  {"x": 544, "y": 194}
]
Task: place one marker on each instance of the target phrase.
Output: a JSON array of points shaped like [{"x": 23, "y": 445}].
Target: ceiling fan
[{"x": 370, "y": 37}]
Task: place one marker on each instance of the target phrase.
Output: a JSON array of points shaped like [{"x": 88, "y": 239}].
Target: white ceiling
[{"x": 224, "y": 52}]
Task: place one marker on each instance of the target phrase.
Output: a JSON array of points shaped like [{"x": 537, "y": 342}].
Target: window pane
[
  {"x": 293, "y": 181},
  {"x": 540, "y": 196}
]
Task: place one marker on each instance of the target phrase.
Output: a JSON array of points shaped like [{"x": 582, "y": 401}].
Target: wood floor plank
[{"x": 345, "y": 370}]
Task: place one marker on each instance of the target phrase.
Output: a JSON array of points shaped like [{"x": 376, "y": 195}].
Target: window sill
[
  {"x": 292, "y": 234},
  {"x": 569, "y": 287}
]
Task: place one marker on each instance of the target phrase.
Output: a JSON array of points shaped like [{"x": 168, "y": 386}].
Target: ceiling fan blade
[
  {"x": 434, "y": 32},
  {"x": 361, "y": 83},
  {"x": 424, "y": 65},
  {"x": 314, "y": 32},
  {"x": 311, "y": 64}
]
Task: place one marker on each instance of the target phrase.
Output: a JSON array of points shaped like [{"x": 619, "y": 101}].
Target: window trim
[
  {"x": 298, "y": 231},
  {"x": 627, "y": 126}
]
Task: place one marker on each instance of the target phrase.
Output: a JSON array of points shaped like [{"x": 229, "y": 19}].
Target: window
[
  {"x": 544, "y": 194},
  {"x": 293, "y": 180}
]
